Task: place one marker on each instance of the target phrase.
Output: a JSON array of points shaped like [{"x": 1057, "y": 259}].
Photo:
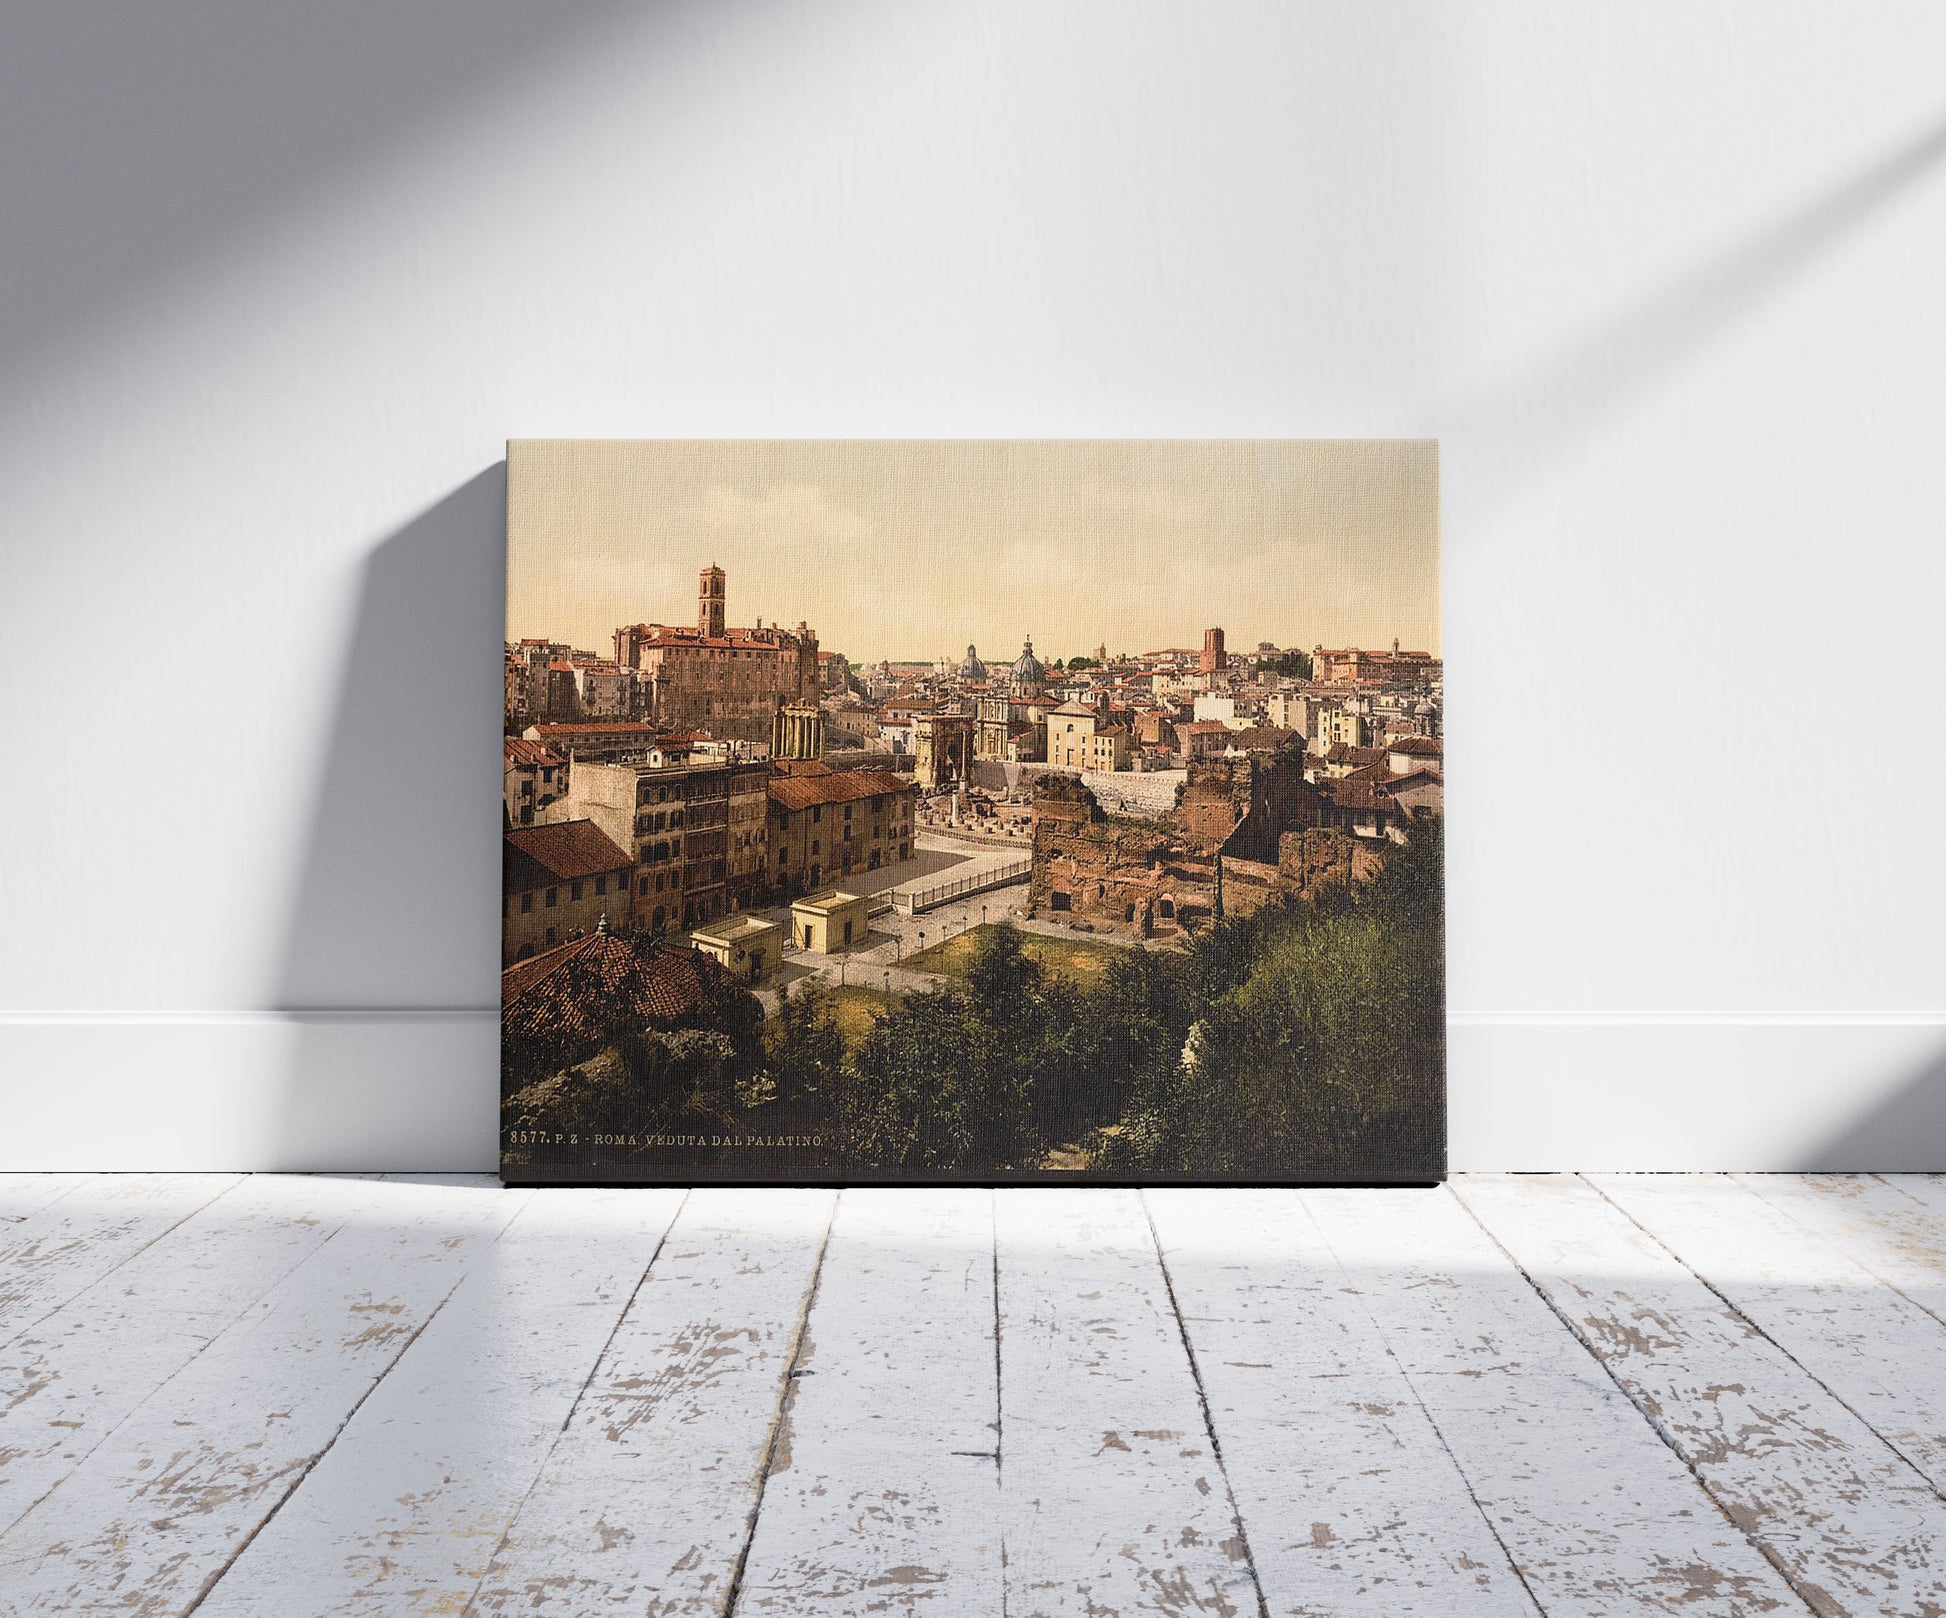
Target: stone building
[
  {"x": 593, "y": 740},
  {"x": 558, "y": 882},
  {"x": 1349, "y": 664},
  {"x": 746, "y": 947},
  {"x": 828, "y": 923},
  {"x": 1070, "y": 734},
  {"x": 535, "y": 777},
  {"x": 714, "y": 677},
  {"x": 1234, "y": 840},
  {"x": 797, "y": 731},
  {"x": 691, "y": 862},
  {"x": 832, "y": 824},
  {"x": 942, "y": 748},
  {"x": 1028, "y": 676},
  {"x": 1214, "y": 660}
]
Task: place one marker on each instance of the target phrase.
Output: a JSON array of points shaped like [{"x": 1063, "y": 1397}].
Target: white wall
[{"x": 279, "y": 281}]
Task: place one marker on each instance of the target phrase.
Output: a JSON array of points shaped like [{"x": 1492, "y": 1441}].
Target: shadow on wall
[
  {"x": 391, "y": 964},
  {"x": 1905, "y": 1133},
  {"x": 135, "y": 139},
  {"x": 1550, "y": 409}
]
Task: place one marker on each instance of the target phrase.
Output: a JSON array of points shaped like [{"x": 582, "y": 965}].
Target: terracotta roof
[
  {"x": 1418, "y": 746},
  {"x": 1353, "y": 792},
  {"x": 534, "y": 856},
  {"x": 794, "y": 792},
  {"x": 580, "y": 988},
  {"x": 1077, "y": 708},
  {"x": 1202, "y": 727},
  {"x": 1342, "y": 754},
  {"x": 523, "y": 752}
]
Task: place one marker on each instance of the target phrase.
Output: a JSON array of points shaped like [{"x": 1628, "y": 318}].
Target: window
[
  {"x": 1166, "y": 908},
  {"x": 783, "y": 856},
  {"x": 601, "y": 884},
  {"x": 553, "y": 897},
  {"x": 1059, "y": 901},
  {"x": 552, "y": 935},
  {"x": 814, "y": 845},
  {"x": 527, "y": 904},
  {"x": 574, "y": 890},
  {"x": 817, "y": 813}
]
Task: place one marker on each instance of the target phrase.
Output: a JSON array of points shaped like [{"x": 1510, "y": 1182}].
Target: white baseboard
[{"x": 415, "y": 1090}]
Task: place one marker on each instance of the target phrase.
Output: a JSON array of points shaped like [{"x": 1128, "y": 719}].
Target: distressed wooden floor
[{"x": 1541, "y": 1394}]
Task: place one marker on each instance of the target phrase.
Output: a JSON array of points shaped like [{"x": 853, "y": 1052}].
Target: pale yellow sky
[{"x": 912, "y": 549}]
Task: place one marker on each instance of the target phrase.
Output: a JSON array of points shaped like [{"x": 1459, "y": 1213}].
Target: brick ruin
[{"x": 1243, "y": 832}]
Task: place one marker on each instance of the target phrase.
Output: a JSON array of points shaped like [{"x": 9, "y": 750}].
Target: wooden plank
[
  {"x": 1113, "y": 1499},
  {"x": 149, "y": 1520},
  {"x": 69, "y": 1380},
  {"x": 646, "y": 1503},
  {"x": 1894, "y": 1224},
  {"x": 1350, "y": 1499},
  {"x": 22, "y": 1194},
  {"x": 883, "y": 1495},
  {"x": 1870, "y": 1346},
  {"x": 65, "y": 1246},
  {"x": 1599, "y": 1517},
  {"x": 1841, "y": 1513},
  {"x": 404, "y": 1512}
]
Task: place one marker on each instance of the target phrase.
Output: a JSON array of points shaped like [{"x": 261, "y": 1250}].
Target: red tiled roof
[
  {"x": 794, "y": 792},
  {"x": 1342, "y": 754},
  {"x": 523, "y": 752},
  {"x": 534, "y": 856},
  {"x": 580, "y": 988},
  {"x": 1355, "y": 792},
  {"x": 1418, "y": 746}
]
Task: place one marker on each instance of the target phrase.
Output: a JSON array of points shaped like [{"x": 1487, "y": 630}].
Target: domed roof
[
  {"x": 1027, "y": 666},
  {"x": 971, "y": 668}
]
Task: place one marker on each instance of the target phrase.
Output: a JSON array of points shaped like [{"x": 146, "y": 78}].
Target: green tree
[
  {"x": 946, "y": 1078},
  {"x": 1293, "y": 665},
  {"x": 1318, "y": 1037},
  {"x": 807, "y": 1050}
]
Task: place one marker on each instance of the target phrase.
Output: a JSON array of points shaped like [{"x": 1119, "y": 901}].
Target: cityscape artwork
[{"x": 973, "y": 811}]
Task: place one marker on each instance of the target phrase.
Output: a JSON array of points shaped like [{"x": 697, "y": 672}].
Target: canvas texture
[{"x": 973, "y": 811}]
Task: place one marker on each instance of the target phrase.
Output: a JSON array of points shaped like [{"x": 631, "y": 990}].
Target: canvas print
[{"x": 975, "y": 811}]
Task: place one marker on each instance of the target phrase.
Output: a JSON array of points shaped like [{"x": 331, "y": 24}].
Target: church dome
[
  {"x": 1028, "y": 669},
  {"x": 971, "y": 668}
]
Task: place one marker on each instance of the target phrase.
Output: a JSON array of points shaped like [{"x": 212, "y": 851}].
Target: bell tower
[{"x": 709, "y": 602}]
